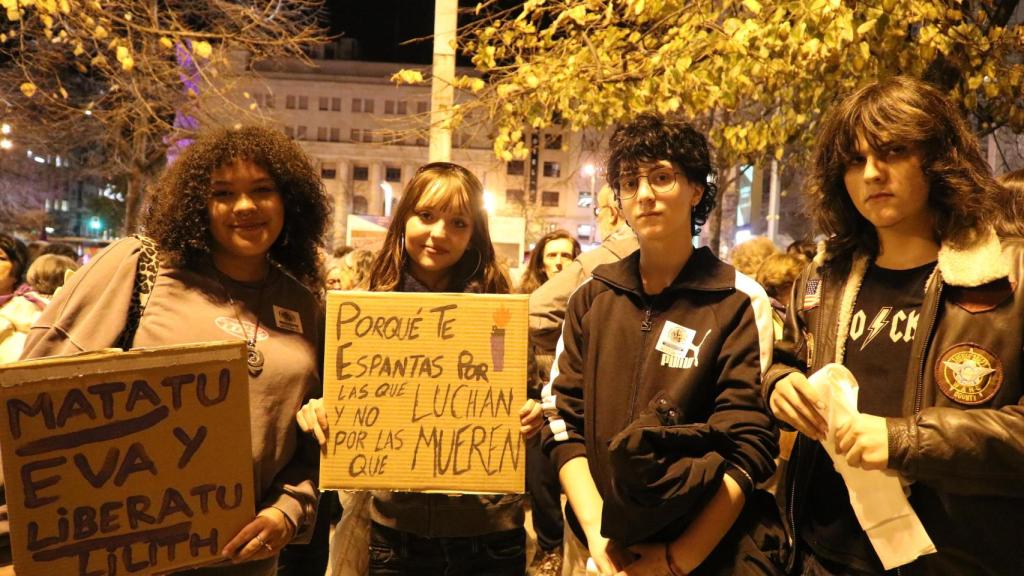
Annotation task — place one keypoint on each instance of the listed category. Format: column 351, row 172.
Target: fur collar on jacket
column 981, row 262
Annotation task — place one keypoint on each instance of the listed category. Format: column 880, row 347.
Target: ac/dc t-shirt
column 882, row 330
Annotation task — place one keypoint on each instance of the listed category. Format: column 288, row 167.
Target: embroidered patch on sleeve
column 968, row 374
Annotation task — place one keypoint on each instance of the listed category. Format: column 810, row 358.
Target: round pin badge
column 968, row 374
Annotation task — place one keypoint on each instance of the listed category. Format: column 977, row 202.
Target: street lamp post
column 591, row 171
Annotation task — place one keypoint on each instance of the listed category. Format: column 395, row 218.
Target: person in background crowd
column 234, row 225
column 921, row 300
column 60, row 249
column 653, row 416
column 439, row 241
column 554, row 251
column 19, row 305
column 349, row 272
column 748, row 256
column 776, row 275
column 13, row 265
column 47, row 274
column 803, row 248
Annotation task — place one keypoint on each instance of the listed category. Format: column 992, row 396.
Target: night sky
column 381, row 26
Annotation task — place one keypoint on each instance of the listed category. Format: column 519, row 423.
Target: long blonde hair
column 446, row 185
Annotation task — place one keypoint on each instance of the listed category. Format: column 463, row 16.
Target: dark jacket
column 445, row 515
column 960, row 439
column 660, row 429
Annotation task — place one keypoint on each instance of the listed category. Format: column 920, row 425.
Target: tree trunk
column 133, row 198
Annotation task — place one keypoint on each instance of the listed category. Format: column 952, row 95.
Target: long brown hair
column 901, row 111
column 535, row 272
column 446, row 185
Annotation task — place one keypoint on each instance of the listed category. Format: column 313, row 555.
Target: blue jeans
column 396, row 553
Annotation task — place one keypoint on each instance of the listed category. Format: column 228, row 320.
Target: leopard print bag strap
column 145, row 277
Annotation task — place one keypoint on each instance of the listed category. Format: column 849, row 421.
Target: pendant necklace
column 255, row 358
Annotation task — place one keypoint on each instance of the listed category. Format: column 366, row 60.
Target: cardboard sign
column 118, row 463
column 423, row 392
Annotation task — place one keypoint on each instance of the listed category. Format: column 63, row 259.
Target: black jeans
column 545, row 496
column 396, row 553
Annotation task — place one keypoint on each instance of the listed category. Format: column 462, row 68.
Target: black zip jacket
column 960, row 439
column 660, row 429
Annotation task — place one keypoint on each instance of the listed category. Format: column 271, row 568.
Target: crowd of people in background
column 669, row 400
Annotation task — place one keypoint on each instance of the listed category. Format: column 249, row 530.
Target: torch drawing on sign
column 501, row 317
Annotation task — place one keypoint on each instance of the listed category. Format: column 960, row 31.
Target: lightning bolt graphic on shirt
column 881, row 319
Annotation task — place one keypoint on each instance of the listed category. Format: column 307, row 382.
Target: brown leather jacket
column 960, row 439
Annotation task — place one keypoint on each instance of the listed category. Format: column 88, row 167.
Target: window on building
column 585, row 199
column 324, row 102
column 303, row 102
column 289, row 102
column 367, row 135
column 335, row 104
column 328, row 171
column 515, row 168
column 355, row 135
column 269, row 100
column 549, row 199
column 361, row 173
column 515, row 196
column 357, row 104
column 552, row 169
column 368, row 106
column 289, row 131
column 403, row 107
column 393, row 174
column 552, row 141
column 389, row 106
column 321, row 134
column 422, row 107
column 300, row 134
column 335, row 134
column 360, row 205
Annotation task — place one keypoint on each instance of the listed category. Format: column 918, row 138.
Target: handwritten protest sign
column 117, row 463
column 423, row 391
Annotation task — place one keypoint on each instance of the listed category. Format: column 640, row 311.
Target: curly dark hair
column 652, row 137
column 177, row 217
column 901, row 111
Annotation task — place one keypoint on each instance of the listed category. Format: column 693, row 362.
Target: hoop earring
column 479, row 261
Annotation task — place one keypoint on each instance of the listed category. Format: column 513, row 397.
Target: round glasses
column 661, row 180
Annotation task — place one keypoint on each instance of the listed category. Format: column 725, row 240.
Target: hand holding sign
column 424, row 392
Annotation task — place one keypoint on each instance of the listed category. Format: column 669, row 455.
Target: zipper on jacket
column 816, row 361
column 645, row 329
column 919, row 393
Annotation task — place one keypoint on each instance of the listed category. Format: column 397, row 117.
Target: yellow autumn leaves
column 758, row 73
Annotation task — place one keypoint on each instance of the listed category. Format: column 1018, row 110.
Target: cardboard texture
column 117, row 463
column 422, row 392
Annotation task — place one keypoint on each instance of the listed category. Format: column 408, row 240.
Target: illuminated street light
column 489, row 201
column 6, row 144
column 5, row 129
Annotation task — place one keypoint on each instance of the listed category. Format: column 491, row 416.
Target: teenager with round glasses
column 654, row 417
